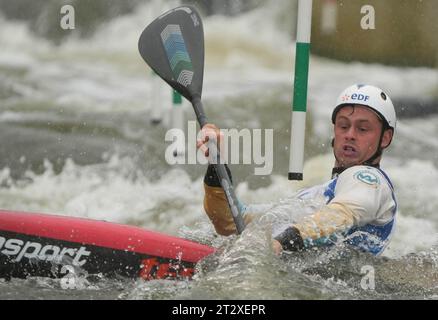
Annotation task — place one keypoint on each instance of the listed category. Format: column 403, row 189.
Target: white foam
column 415, row 189
column 415, row 184
column 108, row 192
column 411, row 235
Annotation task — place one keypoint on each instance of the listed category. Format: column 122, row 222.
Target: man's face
column 357, row 133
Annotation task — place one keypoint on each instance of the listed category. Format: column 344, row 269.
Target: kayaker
column 360, row 205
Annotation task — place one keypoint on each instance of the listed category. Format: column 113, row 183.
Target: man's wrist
column 211, row 178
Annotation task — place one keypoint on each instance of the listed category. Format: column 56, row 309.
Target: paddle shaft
column 222, row 173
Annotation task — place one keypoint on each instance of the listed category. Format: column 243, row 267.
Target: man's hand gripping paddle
column 173, row 46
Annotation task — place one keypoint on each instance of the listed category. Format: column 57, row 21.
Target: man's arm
column 317, row 229
column 215, row 201
column 217, row 209
column 362, row 196
column 216, row 205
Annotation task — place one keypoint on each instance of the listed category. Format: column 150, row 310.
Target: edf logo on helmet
column 356, row 97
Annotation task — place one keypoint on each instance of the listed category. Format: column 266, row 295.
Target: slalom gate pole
column 178, row 119
column 299, row 105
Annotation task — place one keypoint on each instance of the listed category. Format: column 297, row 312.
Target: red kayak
column 34, row 244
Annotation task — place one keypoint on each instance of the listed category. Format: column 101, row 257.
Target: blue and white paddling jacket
column 360, row 206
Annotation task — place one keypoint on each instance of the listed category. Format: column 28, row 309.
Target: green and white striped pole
column 177, row 111
column 299, row 104
column 176, row 98
column 178, row 121
column 155, row 99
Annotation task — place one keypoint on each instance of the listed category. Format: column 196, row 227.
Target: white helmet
column 371, row 97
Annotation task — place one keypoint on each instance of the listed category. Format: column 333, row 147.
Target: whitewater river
column 77, row 139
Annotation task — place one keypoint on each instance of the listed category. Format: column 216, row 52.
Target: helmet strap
column 376, row 154
column 379, row 150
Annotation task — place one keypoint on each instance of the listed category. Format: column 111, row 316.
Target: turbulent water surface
column 77, row 139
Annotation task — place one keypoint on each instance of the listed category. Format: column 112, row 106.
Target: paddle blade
column 173, row 46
